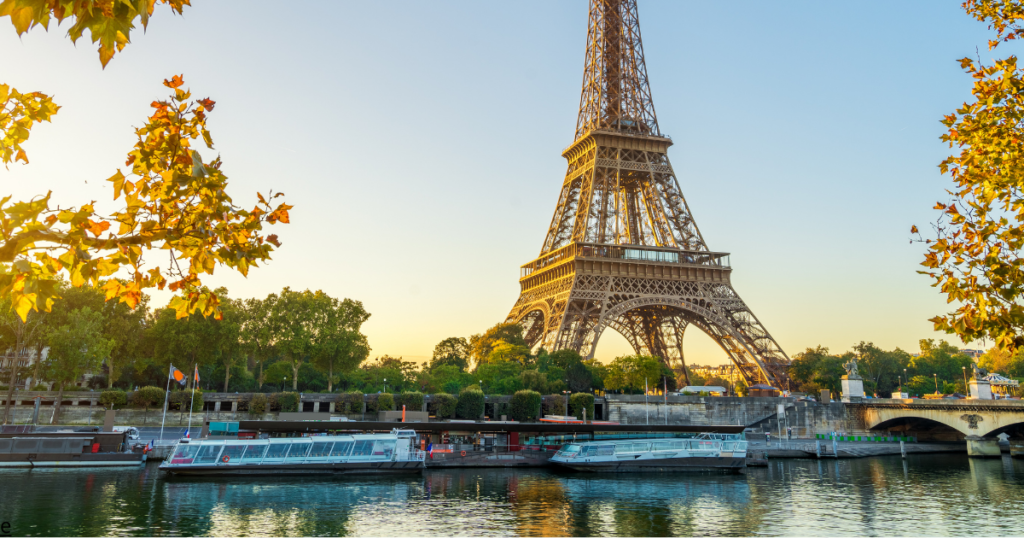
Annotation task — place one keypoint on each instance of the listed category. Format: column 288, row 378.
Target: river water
column 931, row 495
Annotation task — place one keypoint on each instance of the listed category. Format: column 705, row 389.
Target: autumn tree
column 109, row 22
column 974, row 255
column 76, row 347
column 174, row 201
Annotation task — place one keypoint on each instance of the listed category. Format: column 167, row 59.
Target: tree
column 881, row 368
column 75, row 348
column 174, row 201
column 109, row 23
column 578, row 378
column 256, row 333
column 1003, row 361
column 503, row 351
column 942, row 360
column 817, row 369
column 974, row 256
column 481, row 345
column 18, row 111
column 293, row 321
column 452, row 351
column 338, row 345
column 17, row 334
column 633, row 372
column 186, row 341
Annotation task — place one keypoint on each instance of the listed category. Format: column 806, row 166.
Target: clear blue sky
column 419, row 143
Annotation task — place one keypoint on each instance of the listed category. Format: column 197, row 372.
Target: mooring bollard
column 817, row 448
column 903, row 450
column 835, row 448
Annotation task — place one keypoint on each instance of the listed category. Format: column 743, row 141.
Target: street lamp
column 385, row 385
column 283, row 382
column 966, row 388
column 901, row 385
column 566, row 392
column 936, row 376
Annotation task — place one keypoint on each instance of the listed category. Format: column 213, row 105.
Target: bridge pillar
column 1017, row 448
column 978, row 447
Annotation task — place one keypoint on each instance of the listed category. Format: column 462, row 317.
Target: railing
column 628, row 253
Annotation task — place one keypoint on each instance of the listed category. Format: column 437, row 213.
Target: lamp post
column 966, row 388
column 283, row 383
column 905, row 376
column 566, row 392
column 936, row 377
column 901, row 385
column 385, row 385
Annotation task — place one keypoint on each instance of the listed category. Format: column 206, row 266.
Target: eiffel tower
column 623, row 251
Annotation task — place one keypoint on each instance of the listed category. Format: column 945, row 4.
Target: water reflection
column 933, row 495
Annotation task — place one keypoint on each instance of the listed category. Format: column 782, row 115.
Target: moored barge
column 705, row 452
column 321, row 454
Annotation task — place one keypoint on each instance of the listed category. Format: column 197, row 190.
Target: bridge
column 978, row 422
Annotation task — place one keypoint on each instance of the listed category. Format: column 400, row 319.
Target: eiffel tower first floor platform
column 650, row 296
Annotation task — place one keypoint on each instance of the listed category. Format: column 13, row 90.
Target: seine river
column 926, row 495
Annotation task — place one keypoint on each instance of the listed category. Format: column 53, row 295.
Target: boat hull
column 659, row 465
column 70, row 460
column 298, row 469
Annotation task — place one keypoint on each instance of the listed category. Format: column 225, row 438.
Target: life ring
column 463, row 453
column 226, row 458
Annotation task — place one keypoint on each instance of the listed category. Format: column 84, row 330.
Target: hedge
column 147, row 397
column 554, row 404
column 349, row 402
column 258, row 404
column 113, row 398
column 183, row 399
column 524, row 405
column 413, row 401
column 471, row 403
column 288, row 401
column 443, row 405
column 386, row 402
column 580, row 401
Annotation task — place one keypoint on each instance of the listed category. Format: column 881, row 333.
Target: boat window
column 341, row 449
column 742, row 445
column 299, row 450
column 640, row 447
column 185, row 454
column 602, row 450
column 254, row 452
column 320, row 450
column 622, row 448
column 208, row 453
column 233, row 452
column 277, row 450
column 53, row 444
column 362, row 448
column 25, row 444
column 570, row 449
column 384, row 448
column 661, row 445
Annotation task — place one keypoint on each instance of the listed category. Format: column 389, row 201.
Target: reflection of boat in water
column 324, row 454
column 705, row 452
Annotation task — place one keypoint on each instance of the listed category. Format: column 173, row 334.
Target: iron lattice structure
column 623, row 251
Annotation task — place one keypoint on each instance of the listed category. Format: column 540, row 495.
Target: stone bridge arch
column 978, row 422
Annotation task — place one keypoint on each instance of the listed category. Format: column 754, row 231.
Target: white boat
column 349, row 454
column 704, row 452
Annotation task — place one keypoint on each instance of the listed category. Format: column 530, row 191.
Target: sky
column 419, row 143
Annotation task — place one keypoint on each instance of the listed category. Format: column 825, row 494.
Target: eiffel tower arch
column 622, row 251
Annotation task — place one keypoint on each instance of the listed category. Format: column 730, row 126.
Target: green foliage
column 564, row 358
column 534, row 380
column 920, row 385
column 443, row 405
column 111, row 399
column 578, row 378
column 288, row 401
column 524, row 405
column 554, row 404
column 448, row 378
column 500, row 377
column 349, row 402
column 413, row 401
column 258, row 404
column 77, row 347
column 507, row 352
column 481, row 345
column 338, row 347
column 817, row 369
column 630, row 373
column 385, row 402
column 182, row 400
column 471, row 403
column 39, row 387
column 581, row 401
column 452, row 351
column 147, row 397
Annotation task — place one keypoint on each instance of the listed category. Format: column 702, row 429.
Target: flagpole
column 194, row 372
column 167, row 396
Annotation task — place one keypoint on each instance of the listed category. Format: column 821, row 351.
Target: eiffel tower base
column 651, row 313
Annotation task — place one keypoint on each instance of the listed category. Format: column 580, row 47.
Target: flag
column 197, row 374
column 186, row 433
column 176, row 375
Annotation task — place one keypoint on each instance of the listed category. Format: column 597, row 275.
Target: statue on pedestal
column 978, row 372
column 851, row 369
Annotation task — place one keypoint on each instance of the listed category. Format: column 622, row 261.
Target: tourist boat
column 323, row 454
column 704, row 452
